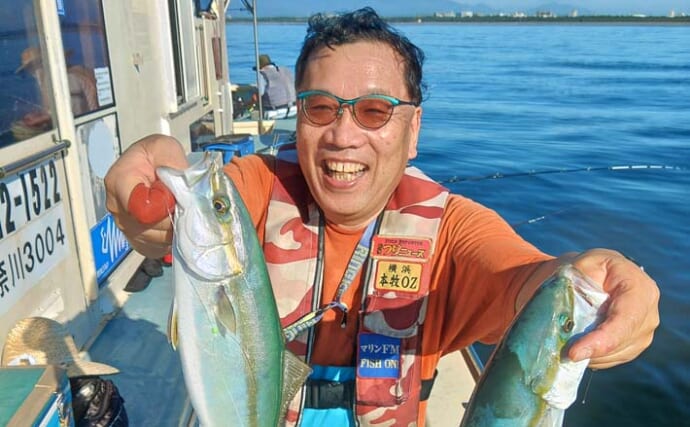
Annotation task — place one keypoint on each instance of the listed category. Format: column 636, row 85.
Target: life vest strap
column 325, row 394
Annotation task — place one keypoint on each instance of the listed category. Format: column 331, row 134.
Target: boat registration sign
column 33, row 230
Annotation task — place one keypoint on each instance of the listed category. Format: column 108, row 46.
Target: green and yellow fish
column 225, row 322
column 528, row 380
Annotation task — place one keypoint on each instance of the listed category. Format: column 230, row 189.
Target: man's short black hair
column 361, row 25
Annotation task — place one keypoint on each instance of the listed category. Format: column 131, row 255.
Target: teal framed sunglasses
column 322, row 108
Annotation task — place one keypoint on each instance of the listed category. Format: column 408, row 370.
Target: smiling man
column 352, row 166
column 377, row 270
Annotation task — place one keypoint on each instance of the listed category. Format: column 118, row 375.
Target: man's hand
column 632, row 313
column 141, row 205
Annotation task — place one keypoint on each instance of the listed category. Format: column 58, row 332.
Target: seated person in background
column 82, row 86
column 277, row 90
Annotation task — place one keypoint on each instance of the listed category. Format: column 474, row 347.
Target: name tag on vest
column 400, row 263
column 378, row 356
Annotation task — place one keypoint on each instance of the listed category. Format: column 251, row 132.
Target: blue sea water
column 576, row 101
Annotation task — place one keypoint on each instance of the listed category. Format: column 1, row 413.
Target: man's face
column 352, row 171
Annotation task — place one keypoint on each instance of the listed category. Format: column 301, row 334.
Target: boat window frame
column 46, row 35
column 45, row 139
column 185, row 55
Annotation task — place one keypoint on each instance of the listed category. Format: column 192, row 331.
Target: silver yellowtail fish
column 528, row 380
column 225, row 321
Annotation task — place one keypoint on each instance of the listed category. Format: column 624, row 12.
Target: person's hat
column 264, row 60
column 43, row 341
column 30, row 56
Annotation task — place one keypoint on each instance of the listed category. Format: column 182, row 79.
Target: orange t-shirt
column 479, row 266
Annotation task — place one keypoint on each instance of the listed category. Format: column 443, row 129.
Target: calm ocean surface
column 511, row 99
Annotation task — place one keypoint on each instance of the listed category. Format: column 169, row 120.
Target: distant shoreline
column 531, row 20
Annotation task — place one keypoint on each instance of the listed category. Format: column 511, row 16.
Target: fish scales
column 224, row 319
column 528, row 380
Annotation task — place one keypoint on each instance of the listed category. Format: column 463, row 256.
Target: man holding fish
column 377, row 271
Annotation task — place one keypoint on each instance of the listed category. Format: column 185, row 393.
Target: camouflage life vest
column 388, row 381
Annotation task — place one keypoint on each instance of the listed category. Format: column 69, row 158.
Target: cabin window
column 202, row 6
column 27, row 106
column 184, row 52
column 86, row 54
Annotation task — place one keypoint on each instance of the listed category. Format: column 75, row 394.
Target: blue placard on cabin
column 109, row 246
column 60, row 7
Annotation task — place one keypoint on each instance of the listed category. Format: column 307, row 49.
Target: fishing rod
column 536, row 219
column 532, row 172
column 25, row 101
column 542, row 217
column 248, row 6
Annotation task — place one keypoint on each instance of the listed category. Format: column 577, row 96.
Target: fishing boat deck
column 452, row 389
column 135, row 341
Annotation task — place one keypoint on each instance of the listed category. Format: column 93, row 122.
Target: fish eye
column 220, row 205
column 567, row 323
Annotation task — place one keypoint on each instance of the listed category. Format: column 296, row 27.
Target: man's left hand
column 632, row 314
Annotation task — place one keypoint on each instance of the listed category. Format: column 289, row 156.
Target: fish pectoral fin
column 172, row 325
column 224, row 311
column 295, row 373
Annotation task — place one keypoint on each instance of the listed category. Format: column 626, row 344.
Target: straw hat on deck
column 30, row 56
column 43, row 341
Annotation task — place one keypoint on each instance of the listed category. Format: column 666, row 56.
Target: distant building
column 545, row 14
column 519, row 15
column 573, row 13
column 672, row 14
column 466, row 14
column 445, row 14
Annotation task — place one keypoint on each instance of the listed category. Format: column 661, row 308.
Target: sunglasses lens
column 373, row 112
column 370, row 112
column 320, row 109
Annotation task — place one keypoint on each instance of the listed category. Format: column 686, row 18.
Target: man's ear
column 415, row 125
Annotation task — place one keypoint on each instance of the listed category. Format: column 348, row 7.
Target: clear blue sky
column 657, row 7
column 388, row 7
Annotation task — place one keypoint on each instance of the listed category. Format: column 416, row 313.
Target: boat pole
column 258, row 71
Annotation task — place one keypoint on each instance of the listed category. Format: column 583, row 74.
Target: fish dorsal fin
column 224, row 311
column 172, row 324
column 295, row 373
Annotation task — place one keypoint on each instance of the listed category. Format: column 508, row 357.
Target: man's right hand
column 140, row 204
